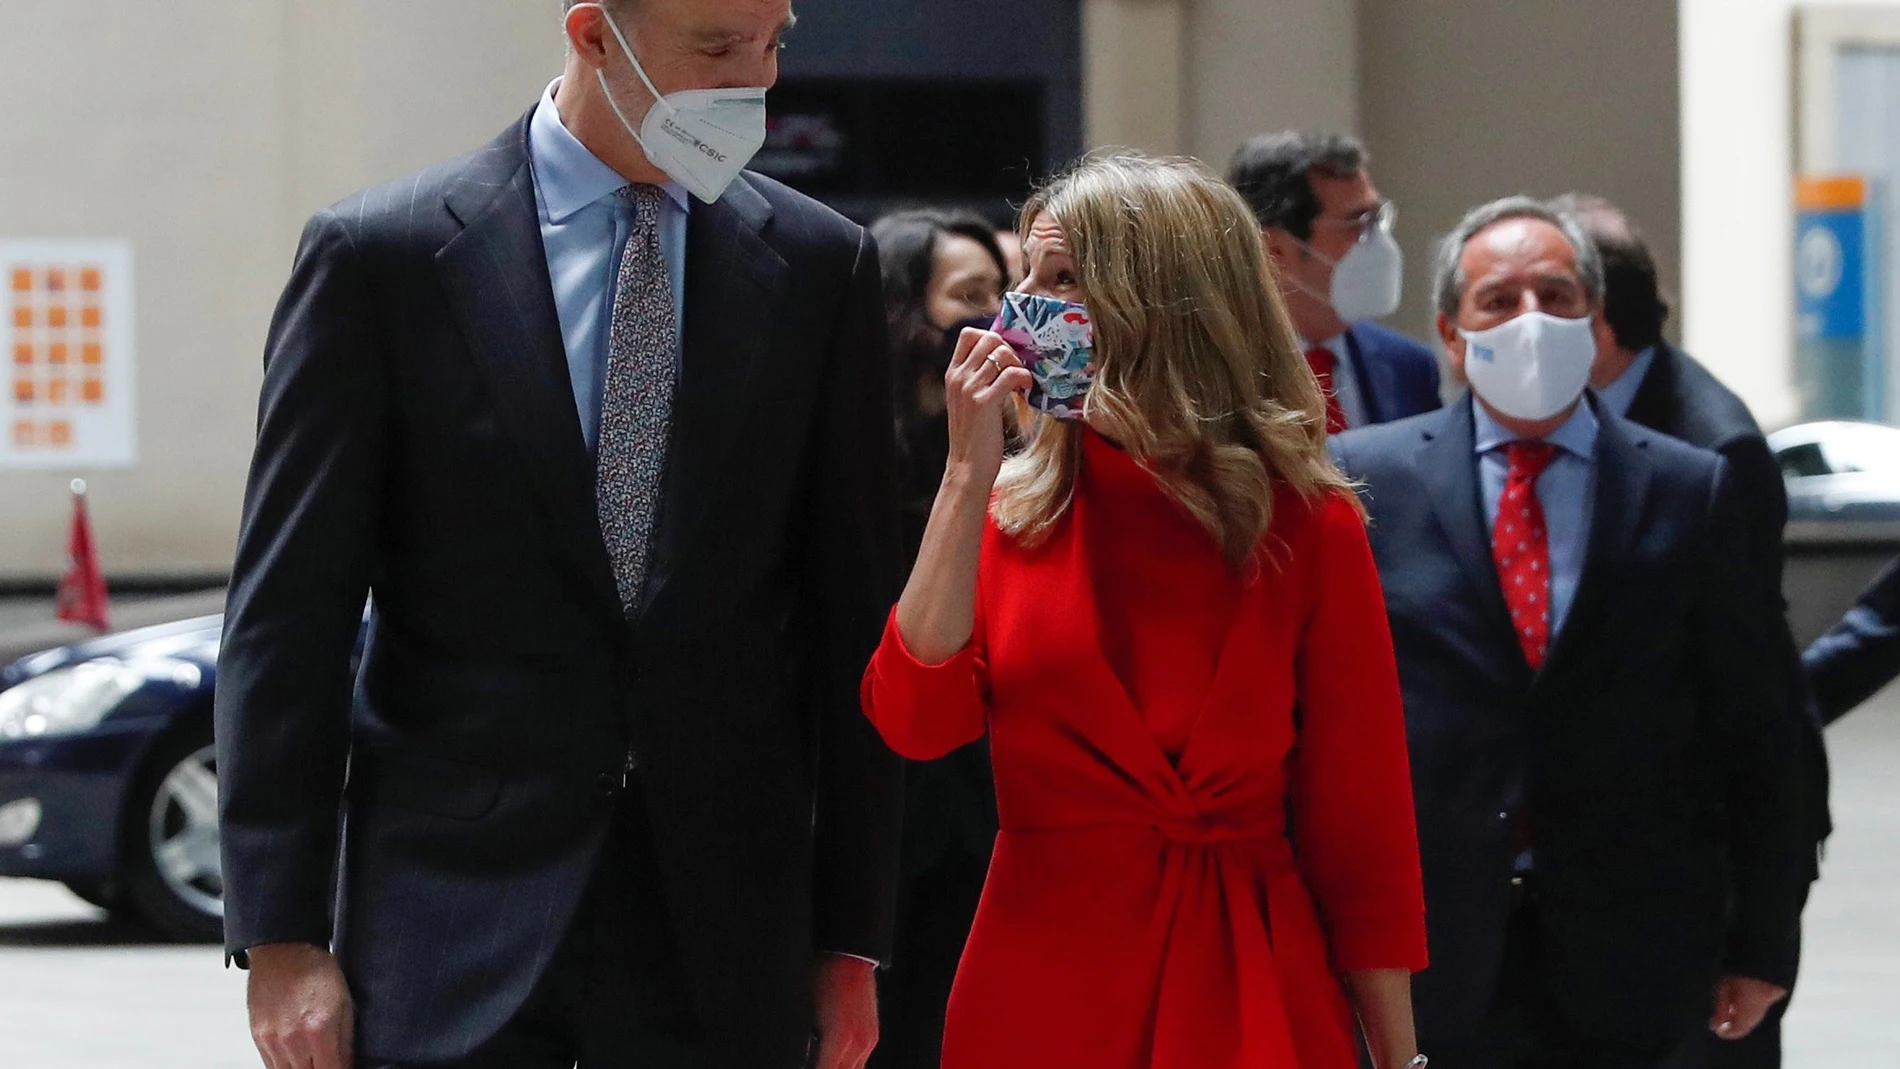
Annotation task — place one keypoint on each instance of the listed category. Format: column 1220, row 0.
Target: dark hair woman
column 942, row 271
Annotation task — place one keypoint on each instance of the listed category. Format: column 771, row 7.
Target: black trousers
column 1524, row 1029
column 614, row 996
column 935, row 910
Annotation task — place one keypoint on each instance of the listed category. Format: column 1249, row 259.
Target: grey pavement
column 78, row 991
column 1846, row 1014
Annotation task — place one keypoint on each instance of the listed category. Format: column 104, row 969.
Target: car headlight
column 65, row 701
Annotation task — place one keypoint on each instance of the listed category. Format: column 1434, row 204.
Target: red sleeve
column 1351, row 784
column 925, row 711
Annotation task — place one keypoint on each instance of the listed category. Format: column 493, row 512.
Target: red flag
column 82, row 594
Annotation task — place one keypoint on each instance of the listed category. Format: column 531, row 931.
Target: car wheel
column 173, row 875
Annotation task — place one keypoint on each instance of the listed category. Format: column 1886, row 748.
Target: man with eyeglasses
column 1330, row 235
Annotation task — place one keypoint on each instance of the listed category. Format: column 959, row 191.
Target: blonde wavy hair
column 1199, row 376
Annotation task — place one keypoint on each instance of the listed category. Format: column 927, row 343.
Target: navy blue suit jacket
column 1680, row 398
column 1397, row 376
column 418, row 439
column 1650, row 754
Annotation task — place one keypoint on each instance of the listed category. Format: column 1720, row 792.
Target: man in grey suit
column 602, row 427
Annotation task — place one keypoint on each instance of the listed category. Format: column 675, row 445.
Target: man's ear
column 1279, row 244
column 586, row 27
column 1605, row 337
column 1611, row 361
column 1454, row 343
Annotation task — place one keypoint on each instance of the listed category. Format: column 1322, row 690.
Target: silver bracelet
column 1418, row 1062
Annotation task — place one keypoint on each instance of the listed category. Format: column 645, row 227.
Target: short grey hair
column 1448, row 275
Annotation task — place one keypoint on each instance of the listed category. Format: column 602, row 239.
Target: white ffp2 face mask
column 1531, row 367
column 1367, row 281
column 702, row 138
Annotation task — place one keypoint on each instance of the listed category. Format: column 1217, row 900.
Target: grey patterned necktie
column 636, row 411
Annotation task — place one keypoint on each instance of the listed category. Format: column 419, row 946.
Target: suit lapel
column 1622, row 495
column 495, row 272
column 1448, row 465
column 734, row 283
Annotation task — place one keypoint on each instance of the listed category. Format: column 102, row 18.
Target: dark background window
column 883, row 104
column 863, row 145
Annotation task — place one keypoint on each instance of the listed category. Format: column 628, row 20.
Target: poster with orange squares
column 66, row 334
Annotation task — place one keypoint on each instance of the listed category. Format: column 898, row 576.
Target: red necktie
column 1520, row 545
column 1322, row 361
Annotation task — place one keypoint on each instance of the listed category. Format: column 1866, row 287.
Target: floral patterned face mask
column 1054, row 340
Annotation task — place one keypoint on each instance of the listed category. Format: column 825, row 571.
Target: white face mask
column 1368, row 280
column 1531, row 367
column 702, row 138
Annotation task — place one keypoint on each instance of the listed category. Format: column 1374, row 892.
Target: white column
column 1133, row 74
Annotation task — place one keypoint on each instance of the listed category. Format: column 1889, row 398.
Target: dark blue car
column 108, row 777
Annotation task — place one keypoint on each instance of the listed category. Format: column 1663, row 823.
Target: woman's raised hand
column 937, row 613
column 984, row 373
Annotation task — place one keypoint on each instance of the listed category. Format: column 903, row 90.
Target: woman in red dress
column 1167, row 617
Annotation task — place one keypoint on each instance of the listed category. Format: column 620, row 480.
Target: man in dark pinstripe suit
column 600, row 792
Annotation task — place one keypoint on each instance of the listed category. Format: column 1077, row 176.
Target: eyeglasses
column 1381, row 216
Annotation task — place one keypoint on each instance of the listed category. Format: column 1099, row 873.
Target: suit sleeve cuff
column 1775, row 966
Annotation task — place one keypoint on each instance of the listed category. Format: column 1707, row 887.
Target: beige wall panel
column 1260, row 65
column 1469, row 101
column 443, row 77
column 1133, row 84
column 207, row 131
column 161, row 123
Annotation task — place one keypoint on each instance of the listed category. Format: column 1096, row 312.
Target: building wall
column 1462, row 103
column 161, row 123
column 1202, row 76
column 206, row 131
column 1246, row 74
column 1738, row 132
column 1459, row 102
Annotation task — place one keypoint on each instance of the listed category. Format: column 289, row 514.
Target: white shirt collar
column 567, row 175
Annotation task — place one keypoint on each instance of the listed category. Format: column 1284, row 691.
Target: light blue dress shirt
column 1618, row 396
column 1566, row 490
column 584, row 229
